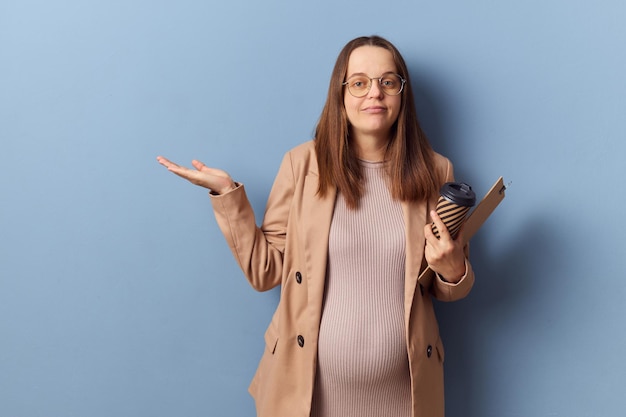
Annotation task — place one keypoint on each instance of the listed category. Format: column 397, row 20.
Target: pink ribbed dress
column 363, row 366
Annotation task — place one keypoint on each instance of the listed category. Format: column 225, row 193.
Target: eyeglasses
column 359, row 85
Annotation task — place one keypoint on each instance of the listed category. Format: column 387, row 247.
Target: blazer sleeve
column 447, row 291
column 258, row 250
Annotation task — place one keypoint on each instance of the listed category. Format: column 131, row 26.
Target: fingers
column 198, row 165
column 214, row 179
column 444, row 255
column 444, row 244
column 184, row 172
column 208, row 170
column 169, row 164
column 177, row 169
column 444, row 234
column 166, row 162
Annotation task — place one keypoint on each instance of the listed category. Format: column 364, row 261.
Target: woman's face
column 373, row 114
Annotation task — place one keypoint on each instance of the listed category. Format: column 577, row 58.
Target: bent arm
column 257, row 250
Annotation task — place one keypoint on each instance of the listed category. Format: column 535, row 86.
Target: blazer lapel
column 414, row 221
column 317, row 215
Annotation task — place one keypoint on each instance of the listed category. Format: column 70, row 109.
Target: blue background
column 118, row 295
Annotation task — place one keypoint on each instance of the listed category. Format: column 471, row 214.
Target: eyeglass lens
column 390, row 84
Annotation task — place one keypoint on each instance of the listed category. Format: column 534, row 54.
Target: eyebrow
column 364, row 74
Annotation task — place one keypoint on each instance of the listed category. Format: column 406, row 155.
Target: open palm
column 214, row 179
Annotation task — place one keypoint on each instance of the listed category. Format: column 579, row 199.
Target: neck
column 370, row 148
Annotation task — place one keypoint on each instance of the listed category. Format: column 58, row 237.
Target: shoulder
column 441, row 161
column 305, row 150
column 443, row 167
column 302, row 157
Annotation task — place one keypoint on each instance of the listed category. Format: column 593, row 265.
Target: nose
column 375, row 90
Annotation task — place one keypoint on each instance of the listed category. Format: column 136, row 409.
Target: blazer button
column 298, row 277
column 300, row 341
column 429, row 351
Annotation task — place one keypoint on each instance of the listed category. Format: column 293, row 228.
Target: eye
column 389, row 82
column 358, row 83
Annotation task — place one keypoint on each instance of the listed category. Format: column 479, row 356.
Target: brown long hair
column 411, row 160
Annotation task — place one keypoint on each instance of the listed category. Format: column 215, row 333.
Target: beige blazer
column 290, row 249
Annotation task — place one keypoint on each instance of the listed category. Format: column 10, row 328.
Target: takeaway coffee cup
column 456, row 199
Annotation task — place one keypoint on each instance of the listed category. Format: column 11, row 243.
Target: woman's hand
column 216, row 180
column 445, row 255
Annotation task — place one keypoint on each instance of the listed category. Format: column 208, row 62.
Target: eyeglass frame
column 380, row 80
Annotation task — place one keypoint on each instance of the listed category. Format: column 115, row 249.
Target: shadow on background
column 431, row 110
column 505, row 285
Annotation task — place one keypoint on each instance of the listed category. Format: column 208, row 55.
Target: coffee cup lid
column 458, row 193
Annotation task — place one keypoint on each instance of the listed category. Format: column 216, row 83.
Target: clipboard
column 474, row 221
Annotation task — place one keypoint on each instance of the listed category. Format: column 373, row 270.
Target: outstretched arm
column 259, row 252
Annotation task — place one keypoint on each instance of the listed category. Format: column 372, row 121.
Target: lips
column 374, row 109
